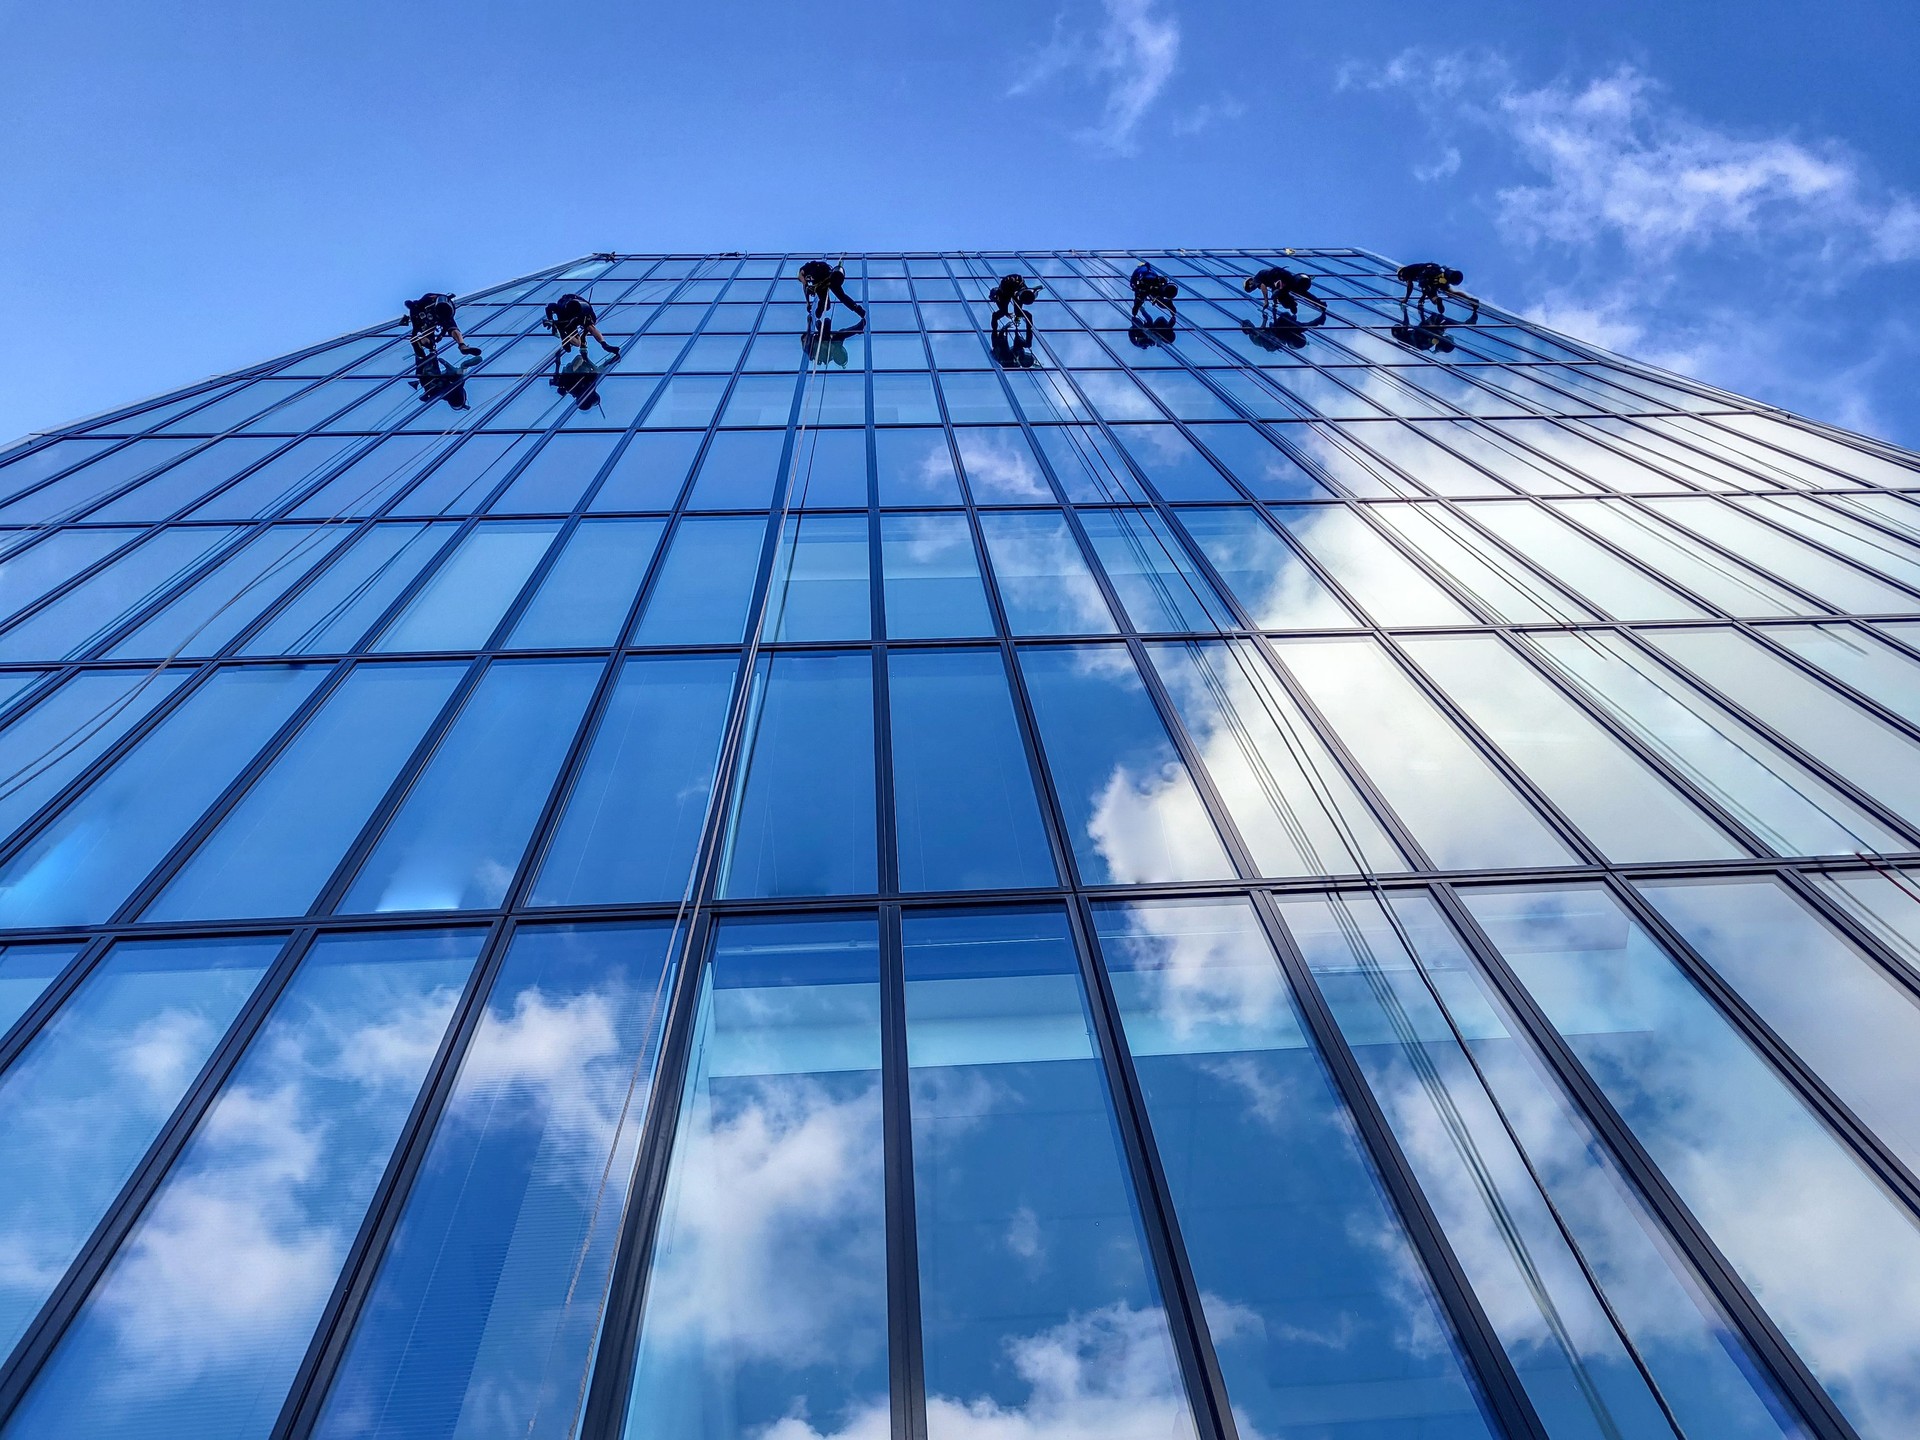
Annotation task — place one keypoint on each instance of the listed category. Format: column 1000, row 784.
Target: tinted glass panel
column 933, row 588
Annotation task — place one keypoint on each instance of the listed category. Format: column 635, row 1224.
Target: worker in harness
column 431, row 317
column 1436, row 283
column 1283, row 289
column 1152, row 287
column 822, row 282
column 573, row 320
column 1010, row 298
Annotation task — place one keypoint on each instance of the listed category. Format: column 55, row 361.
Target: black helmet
column 1454, row 277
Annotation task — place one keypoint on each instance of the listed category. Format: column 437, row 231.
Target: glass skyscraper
column 1327, row 881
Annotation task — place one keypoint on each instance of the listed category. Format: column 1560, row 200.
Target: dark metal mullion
column 1180, row 1291
column 1834, row 1113
column 620, row 1332
column 1716, row 1272
column 300, row 1410
column 37, row 1344
column 1499, row 1383
column 17, row 1036
column 906, row 1364
column 1059, row 843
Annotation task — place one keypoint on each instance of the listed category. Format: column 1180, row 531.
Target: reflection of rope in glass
column 444, row 441
column 744, row 714
column 1431, row 1081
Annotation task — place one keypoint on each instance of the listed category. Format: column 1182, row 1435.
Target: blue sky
column 1732, row 190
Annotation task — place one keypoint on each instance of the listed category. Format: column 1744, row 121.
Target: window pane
column 79, row 869
column 277, row 847
column 739, row 471
column 819, row 588
column 29, row 573
column 556, row 477
column 1158, row 582
column 963, row 796
column 1854, row 656
column 25, row 972
column 225, row 600
column 457, row 841
column 271, row 1188
column 1830, row 1254
column 1260, row 465
column 585, row 597
column 1773, row 795
column 649, row 473
column 1272, row 583
column 1045, row 585
column 73, row 623
column 1001, row 468
column 760, row 400
column 1567, row 555
column 1037, row 1305
column 915, row 467
column 1620, row 805
column 332, row 613
column 462, row 602
column 1715, row 578
column 701, row 594
column 1505, row 588
column 829, row 470
column 1552, row 1238
column 686, row 402
column 1178, row 470
column 524, row 1181
column 1885, row 903
column 904, row 399
column 933, row 587
column 1383, row 580
column 1859, row 746
column 1089, row 466
column 1132, row 812
column 1852, row 1024
column 69, row 729
column 1785, row 555
column 768, row 1300
column 1457, row 806
column 634, row 817
column 803, row 806
column 81, row 1104
column 1256, row 743
column 1317, row 1303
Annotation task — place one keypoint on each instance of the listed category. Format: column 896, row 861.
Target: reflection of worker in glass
column 435, row 379
column 1013, row 348
column 1151, row 287
column 1011, row 297
column 431, row 317
column 1154, row 330
column 823, row 283
column 825, row 345
column 1282, row 332
column 573, row 320
column 1429, row 335
column 578, row 379
column 1283, row 289
column 1435, row 283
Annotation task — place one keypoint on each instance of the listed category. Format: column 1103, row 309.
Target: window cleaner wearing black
column 1283, row 289
column 1435, row 283
column 1151, row 287
column 1010, row 298
column 573, row 320
column 432, row 319
column 822, row 282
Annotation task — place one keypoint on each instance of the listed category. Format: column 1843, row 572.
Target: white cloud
column 1651, row 230
column 1132, row 53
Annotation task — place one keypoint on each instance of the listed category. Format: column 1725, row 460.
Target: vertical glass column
column 766, row 1308
column 1039, row 1312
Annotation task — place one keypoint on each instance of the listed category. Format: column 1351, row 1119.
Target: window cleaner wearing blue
column 823, row 283
column 1151, row 287
column 573, row 319
column 1283, row 289
column 1435, row 283
column 431, row 317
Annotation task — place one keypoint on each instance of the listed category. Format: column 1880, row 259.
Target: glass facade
column 1321, row 881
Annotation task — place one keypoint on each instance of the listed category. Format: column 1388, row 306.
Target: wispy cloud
column 1130, row 54
column 1649, row 229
